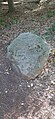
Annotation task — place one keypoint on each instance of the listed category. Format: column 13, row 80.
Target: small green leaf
column 53, row 60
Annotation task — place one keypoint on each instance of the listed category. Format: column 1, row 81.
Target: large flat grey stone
column 28, row 53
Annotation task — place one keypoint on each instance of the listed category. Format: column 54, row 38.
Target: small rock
column 6, row 69
column 46, row 70
column 31, row 84
column 52, row 82
column 28, row 86
column 6, row 73
column 27, row 82
column 20, row 85
column 10, row 68
column 22, row 103
column 6, row 91
column 21, row 117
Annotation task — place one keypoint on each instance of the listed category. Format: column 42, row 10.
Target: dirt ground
column 21, row 98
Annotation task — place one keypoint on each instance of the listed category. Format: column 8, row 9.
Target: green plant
column 53, row 60
column 43, row 17
column 51, row 13
column 51, row 29
column 1, row 22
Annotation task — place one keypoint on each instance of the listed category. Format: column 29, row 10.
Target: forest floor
column 21, row 98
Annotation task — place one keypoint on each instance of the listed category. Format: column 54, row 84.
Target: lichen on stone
column 28, row 52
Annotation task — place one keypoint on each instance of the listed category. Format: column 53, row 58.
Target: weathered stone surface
column 28, row 53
